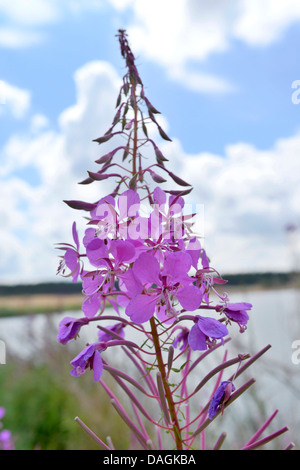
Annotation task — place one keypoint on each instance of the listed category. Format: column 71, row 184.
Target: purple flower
column 91, row 305
column 97, row 252
column 167, row 218
column 220, row 397
column 111, row 260
column 113, row 221
column 69, row 328
column 181, row 339
column 89, row 357
column 105, row 216
column 204, row 331
column 6, row 442
column 161, row 289
column 71, row 258
column 237, row 312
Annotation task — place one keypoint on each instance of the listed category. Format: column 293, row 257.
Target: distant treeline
column 247, row 279
column 41, row 288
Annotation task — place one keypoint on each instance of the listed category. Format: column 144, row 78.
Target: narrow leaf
column 92, row 434
column 101, row 176
column 150, row 106
column 132, row 182
column 102, row 139
column 179, row 193
column 157, row 178
column 86, row 206
column 163, row 134
column 86, row 181
column 106, row 137
column 163, row 401
column 178, row 180
column 130, row 423
column 220, row 441
column 144, row 129
column 108, row 156
column 267, row 439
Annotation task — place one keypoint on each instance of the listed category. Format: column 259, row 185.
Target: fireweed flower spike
column 141, row 256
column 162, row 288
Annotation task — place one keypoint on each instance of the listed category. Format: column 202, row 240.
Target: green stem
column 168, row 393
column 135, row 129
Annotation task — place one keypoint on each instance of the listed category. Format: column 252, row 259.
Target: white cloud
column 262, row 22
column 170, row 34
column 179, row 33
column 34, row 217
column 29, row 12
column 23, row 20
column 38, row 122
column 14, row 100
column 15, row 38
column 249, row 195
column 201, row 82
column 41, row 12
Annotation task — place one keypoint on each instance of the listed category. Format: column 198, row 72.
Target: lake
column 275, row 320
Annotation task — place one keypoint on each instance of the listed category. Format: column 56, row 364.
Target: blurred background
column 225, row 76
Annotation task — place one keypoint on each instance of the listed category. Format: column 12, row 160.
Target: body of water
column 275, row 320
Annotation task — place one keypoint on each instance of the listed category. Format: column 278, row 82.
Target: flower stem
column 167, row 390
column 135, row 128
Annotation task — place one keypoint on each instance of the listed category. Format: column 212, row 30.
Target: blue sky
column 221, row 74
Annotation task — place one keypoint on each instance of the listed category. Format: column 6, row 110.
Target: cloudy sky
column 225, row 75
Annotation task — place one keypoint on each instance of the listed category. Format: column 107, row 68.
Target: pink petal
column 96, row 250
column 205, row 262
column 138, row 229
column 176, row 204
column 177, row 265
column 159, row 197
column 105, row 209
column 122, row 251
column 190, row 297
column 89, row 235
column 90, row 284
column 146, row 268
column 194, row 250
column 97, row 366
column 75, row 235
column 122, row 300
column 129, row 282
column 239, row 306
column 141, row 308
column 197, row 340
column 71, row 259
column 90, row 306
column 129, row 204
column 161, row 315
column 212, row 328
